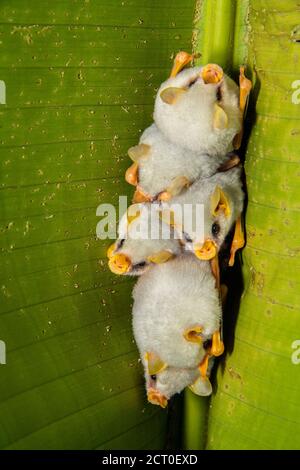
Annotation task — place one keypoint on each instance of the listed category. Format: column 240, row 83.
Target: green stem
column 216, row 32
column 195, row 417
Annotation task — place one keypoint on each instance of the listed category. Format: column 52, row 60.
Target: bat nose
column 207, row 251
column 212, row 73
column 157, row 398
column 119, row 263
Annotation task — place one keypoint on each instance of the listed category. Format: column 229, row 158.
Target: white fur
column 189, row 121
column 165, row 161
column 168, row 299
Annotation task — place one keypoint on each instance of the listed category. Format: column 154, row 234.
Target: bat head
column 144, row 239
column 199, row 109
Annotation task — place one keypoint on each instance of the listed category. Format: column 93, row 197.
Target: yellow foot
column 140, row 196
column 175, row 188
column 180, row 61
column 238, row 240
column 245, row 88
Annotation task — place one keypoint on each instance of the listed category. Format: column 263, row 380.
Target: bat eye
column 186, row 237
column 207, row 344
column 140, row 265
column 192, row 82
column 153, row 377
column 215, row 229
column 121, row 242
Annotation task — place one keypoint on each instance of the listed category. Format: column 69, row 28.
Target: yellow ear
column 220, row 120
column 201, row 387
column 167, row 216
column 160, row 257
column 218, row 202
column 193, row 334
column 154, row 363
column 138, row 151
column 170, row 95
column 133, row 212
column 110, row 250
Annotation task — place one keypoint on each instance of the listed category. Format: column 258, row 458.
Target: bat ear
column 218, row 202
column 138, row 151
column 171, row 94
column 160, row 257
column 220, row 119
column 110, row 250
column 133, row 212
column 167, row 216
column 201, row 387
column 171, row 216
column 154, row 363
column 193, row 334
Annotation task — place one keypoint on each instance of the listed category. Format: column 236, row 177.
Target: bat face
column 143, row 240
column 162, row 386
column 221, row 197
column 201, row 115
column 216, row 227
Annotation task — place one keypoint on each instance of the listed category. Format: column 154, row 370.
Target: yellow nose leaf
column 207, row 251
column 220, row 119
column 156, row 398
column 119, row 263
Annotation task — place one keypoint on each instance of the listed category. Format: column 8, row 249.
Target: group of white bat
column 185, row 158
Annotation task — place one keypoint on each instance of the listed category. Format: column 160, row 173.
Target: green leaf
column 80, row 80
column 256, row 404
